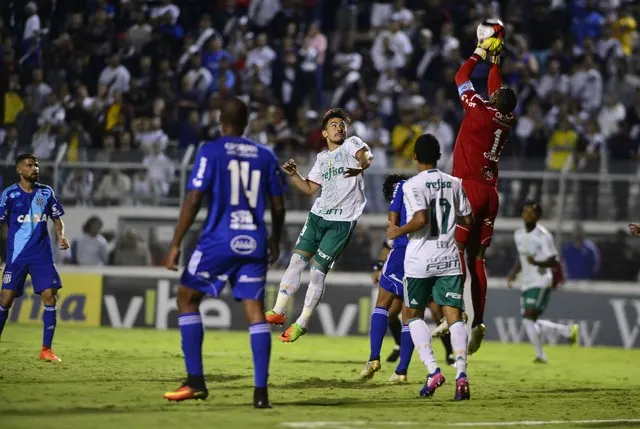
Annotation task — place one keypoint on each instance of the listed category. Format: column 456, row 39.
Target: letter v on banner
column 628, row 332
column 130, row 315
column 347, row 318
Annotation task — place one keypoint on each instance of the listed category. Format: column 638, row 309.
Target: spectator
column 580, row 256
column 619, row 259
column 131, row 250
column 91, row 249
column 115, row 76
column 114, row 189
column 78, row 188
column 160, row 170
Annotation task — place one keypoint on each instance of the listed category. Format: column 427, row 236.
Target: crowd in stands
column 136, row 82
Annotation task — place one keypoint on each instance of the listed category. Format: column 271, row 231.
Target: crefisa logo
column 243, row 245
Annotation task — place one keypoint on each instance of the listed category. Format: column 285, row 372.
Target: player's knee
column 385, row 298
column 316, row 277
column 188, row 300
column 530, row 314
column 49, row 297
column 298, row 262
column 7, row 300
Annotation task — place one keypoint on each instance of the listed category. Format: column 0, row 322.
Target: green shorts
column 444, row 290
column 325, row 239
column 535, row 298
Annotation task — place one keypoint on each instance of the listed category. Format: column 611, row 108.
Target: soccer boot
column 477, row 334
column 434, row 381
column 441, row 329
column 292, row 333
column 394, row 355
column 370, row 368
column 574, row 335
column 261, row 398
column 398, row 378
column 462, row 388
column 48, row 355
column 539, row 359
column 274, row 318
column 186, row 392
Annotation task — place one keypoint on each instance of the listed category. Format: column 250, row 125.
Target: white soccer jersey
column 341, row 198
column 432, row 251
column 539, row 244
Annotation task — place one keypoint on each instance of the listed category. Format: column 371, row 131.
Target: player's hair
column 87, row 225
column 532, row 203
column 335, row 113
column 389, row 185
column 506, row 101
column 235, row 113
column 427, row 149
column 25, row 156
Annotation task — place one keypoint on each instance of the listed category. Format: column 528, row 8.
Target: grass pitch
column 115, row 379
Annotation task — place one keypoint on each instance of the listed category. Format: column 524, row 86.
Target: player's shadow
column 319, row 361
column 318, row 383
column 210, row 378
column 580, row 390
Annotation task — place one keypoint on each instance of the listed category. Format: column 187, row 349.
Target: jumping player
column 238, row 177
column 483, row 133
column 537, row 257
column 329, row 226
column 434, row 203
column 26, row 207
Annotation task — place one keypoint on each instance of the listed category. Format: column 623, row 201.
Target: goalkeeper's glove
column 491, row 47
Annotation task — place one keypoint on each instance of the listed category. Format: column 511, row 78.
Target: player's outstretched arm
column 417, row 222
column 365, row 159
column 305, row 186
column 59, row 226
column 517, row 267
column 188, row 211
column 277, row 225
column 550, row 262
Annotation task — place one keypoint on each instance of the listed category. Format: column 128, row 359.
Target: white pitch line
column 361, row 423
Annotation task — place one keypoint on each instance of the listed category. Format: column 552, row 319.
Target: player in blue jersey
column 25, row 207
column 238, row 177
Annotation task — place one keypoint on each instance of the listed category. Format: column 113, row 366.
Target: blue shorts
column 43, row 277
column 393, row 272
column 209, row 274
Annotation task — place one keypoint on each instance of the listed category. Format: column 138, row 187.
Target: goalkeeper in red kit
column 483, row 133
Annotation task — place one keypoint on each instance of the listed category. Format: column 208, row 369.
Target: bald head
column 234, row 116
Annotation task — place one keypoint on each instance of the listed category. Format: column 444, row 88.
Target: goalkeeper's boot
column 186, row 392
column 477, row 334
column 574, row 334
column 292, row 333
column 434, row 381
column 441, row 330
column 261, row 398
column 398, row 378
column 274, row 318
column 462, row 388
column 394, row 355
column 370, row 368
column 48, row 355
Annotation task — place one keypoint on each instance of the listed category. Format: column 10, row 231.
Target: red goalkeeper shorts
column 484, row 204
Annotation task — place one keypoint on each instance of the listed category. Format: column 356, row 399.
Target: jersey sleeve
column 412, row 200
column 463, row 206
column 547, row 248
column 469, row 97
column 354, row 144
column 201, row 174
column 397, row 200
column 276, row 185
column 4, row 207
column 54, row 208
column 315, row 175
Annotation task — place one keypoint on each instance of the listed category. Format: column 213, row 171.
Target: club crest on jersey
column 488, row 173
column 39, row 200
column 6, row 278
column 243, row 245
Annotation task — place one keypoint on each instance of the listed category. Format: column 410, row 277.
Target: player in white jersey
column 537, row 257
column 329, row 226
column 435, row 202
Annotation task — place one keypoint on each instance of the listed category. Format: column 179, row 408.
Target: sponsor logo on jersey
column 243, row 245
column 246, row 279
column 332, row 172
column 324, row 255
column 203, row 274
column 242, row 220
column 453, row 295
column 32, row 219
column 241, row 149
column 438, row 184
column 444, row 265
column 330, row 211
column 39, row 200
column 202, row 168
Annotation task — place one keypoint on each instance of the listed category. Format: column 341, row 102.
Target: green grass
column 116, row 378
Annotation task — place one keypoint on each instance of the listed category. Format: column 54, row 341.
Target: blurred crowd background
column 114, row 95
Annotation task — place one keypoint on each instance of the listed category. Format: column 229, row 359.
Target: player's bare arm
column 377, row 267
column 551, row 262
column 62, row 241
column 277, row 225
column 188, row 212
column 634, row 229
column 365, row 158
column 419, row 221
column 305, row 186
column 514, row 273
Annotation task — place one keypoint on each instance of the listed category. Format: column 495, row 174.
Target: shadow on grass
column 209, row 378
column 319, row 361
column 317, row 383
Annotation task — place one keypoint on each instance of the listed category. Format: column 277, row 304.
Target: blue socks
column 49, row 325
column 192, row 334
column 260, row 335
column 379, row 322
column 4, row 315
column 406, row 350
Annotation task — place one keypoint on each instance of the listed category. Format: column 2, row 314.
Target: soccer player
column 329, row 226
column 26, row 207
column 537, row 257
column 483, row 133
column 434, row 202
column 634, row 229
column 390, row 289
column 237, row 177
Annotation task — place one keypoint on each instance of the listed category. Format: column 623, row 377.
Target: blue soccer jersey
column 396, row 205
column 393, row 269
column 26, row 214
column 238, row 176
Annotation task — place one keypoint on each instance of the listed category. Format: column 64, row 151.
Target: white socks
column 564, row 330
column 313, row 296
column 459, row 341
column 422, row 341
column 533, row 331
column 290, row 282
